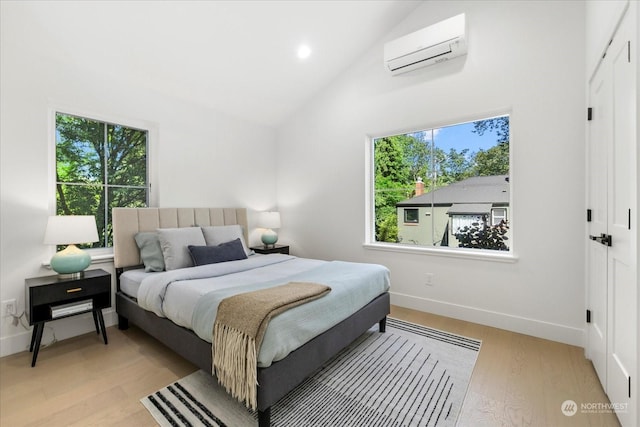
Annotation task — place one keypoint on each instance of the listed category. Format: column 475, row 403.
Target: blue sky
column 461, row 136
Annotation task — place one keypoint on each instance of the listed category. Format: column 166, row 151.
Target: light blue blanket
column 152, row 291
column 353, row 285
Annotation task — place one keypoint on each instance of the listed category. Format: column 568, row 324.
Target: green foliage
column 99, row 166
column 498, row 124
column 392, row 184
column 388, row 229
column 455, row 166
column 494, row 161
column 482, row 236
column 417, row 154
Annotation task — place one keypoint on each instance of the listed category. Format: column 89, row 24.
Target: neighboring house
column 432, row 219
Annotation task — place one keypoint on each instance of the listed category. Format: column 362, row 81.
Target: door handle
column 604, row 239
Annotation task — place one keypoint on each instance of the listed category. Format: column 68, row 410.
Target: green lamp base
column 269, row 237
column 70, row 262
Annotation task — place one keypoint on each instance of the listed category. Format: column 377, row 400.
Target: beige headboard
column 127, row 222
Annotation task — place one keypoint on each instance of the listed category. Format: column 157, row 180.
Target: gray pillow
column 229, row 251
column 150, row 250
column 174, row 242
column 218, row 234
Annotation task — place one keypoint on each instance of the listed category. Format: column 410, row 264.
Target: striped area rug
column 409, row 376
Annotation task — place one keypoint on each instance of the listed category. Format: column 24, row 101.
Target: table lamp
column 70, row 230
column 269, row 220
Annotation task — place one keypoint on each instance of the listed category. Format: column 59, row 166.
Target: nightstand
column 51, row 298
column 276, row 249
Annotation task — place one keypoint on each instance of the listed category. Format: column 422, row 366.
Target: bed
column 278, row 376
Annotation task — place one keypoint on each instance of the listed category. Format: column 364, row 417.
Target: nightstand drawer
column 60, row 292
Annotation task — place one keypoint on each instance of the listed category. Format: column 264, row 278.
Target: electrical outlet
column 9, row 307
column 428, row 279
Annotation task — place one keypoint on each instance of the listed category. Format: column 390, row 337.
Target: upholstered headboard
column 127, row 222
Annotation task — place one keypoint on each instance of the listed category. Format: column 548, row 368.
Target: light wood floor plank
column 518, row 380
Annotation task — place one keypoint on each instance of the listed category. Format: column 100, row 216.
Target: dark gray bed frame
column 279, row 378
column 274, row 381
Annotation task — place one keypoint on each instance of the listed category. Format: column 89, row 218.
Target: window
column 99, row 166
column 454, row 178
column 411, row 216
column 459, row 222
column 498, row 215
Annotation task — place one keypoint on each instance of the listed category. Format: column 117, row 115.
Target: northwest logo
column 569, row 408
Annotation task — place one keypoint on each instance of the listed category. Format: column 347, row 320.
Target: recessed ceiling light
column 304, row 51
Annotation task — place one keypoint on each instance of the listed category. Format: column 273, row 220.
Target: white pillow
column 219, row 234
column 174, row 243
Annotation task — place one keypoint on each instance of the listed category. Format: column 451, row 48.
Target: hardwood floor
column 518, row 380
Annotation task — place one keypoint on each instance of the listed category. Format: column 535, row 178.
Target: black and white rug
column 409, row 376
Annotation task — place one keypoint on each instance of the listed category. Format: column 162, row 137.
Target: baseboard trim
column 522, row 325
column 74, row 326
column 64, row 328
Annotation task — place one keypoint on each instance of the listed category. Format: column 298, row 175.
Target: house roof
column 469, row 208
column 478, row 189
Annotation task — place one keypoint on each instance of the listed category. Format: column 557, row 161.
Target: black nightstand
column 277, row 249
column 52, row 298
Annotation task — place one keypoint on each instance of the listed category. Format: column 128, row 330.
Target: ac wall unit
column 431, row 45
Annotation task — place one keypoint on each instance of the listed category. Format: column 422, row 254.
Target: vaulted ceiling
column 238, row 57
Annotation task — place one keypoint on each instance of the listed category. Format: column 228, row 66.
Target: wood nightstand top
column 275, row 249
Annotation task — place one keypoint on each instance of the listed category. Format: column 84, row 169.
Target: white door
column 611, row 250
column 600, row 130
column 623, row 321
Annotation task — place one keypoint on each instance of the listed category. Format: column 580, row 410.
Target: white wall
column 198, row 157
column 525, row 57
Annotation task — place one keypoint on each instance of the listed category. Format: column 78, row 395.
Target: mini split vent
column 431, row 45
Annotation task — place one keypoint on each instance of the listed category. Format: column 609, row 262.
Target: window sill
column 475, row 254
column 101, row 258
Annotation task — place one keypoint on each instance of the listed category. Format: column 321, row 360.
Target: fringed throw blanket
column 240, row 325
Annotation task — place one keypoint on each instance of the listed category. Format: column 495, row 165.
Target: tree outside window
column 99, row 166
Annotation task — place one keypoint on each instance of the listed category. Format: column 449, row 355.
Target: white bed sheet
column 130, row 281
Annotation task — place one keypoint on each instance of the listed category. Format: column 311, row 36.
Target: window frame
column 370, row 242
column 101, row 254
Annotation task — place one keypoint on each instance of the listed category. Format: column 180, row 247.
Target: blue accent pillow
column 150, row 251
column 228, row 251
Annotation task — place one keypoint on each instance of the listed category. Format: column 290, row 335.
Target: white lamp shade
column 71, row 229
column 269, row 220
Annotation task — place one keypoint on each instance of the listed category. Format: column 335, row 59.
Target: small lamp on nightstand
column 269, row 220
column 70, row 230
